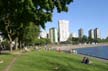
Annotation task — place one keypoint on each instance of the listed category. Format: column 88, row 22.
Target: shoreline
column 70, row 46
column 90, row 45
column 93, row 57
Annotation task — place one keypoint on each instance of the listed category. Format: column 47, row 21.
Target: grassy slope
column 6, row 59
column 49, row 61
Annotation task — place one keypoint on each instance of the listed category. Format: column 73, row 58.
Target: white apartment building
column 63, row 30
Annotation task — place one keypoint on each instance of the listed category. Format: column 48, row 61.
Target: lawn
column 6, row 58
column 55, row 61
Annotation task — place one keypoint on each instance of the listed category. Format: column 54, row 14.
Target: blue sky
column 86, row 14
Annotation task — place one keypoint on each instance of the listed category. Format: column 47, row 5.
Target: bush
column 41, row 41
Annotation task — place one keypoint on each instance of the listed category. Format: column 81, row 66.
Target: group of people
column 85, row 60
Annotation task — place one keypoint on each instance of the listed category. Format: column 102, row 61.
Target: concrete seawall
column 69, row 46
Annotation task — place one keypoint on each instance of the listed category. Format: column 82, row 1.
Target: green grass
column 50, row 60
column 6, row 60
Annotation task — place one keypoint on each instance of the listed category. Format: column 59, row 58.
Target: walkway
column 11, row 63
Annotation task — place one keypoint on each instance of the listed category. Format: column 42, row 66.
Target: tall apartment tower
column 63, row 30
column 53, row 35
column 97, row 33
column 80, row 32
column 91, row 33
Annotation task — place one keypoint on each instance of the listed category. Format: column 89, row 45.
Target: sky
column 86, row 14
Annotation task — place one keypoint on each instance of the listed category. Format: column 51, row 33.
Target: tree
column 42, row 41
column 15, row 15
column 90, row 40
column 75, row 40
column 83, row 39
column 30, row 33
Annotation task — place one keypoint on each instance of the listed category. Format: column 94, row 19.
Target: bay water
column 99, row 52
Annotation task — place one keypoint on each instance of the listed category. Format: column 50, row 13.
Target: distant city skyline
column 86, row 14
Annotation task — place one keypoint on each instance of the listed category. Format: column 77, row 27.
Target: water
column 99, row 52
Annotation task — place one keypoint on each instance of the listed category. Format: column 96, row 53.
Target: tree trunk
column 16, row 43
column 9, row 32
column 10, row 45
column 10, row 42
column 19, row 44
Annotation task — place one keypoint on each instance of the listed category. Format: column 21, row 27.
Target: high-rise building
column 80, row 32
column 91, row 33
column 63, row 30
column 97, row 33
column 53, row 35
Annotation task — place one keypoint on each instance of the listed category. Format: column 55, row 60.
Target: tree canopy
column 37, row 11
column 16, row 15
